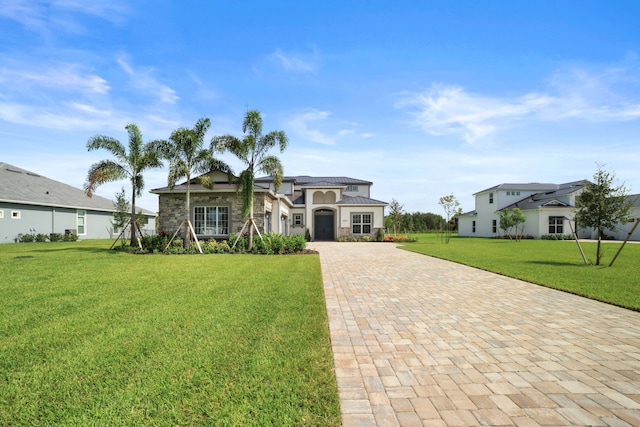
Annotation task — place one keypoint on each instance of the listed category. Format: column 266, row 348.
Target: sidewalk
column 422, row 341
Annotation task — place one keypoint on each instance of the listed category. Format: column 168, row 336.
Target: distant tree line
column 417, row 222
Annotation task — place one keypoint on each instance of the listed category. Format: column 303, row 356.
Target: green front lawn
column 90, row 336
column 556, row 264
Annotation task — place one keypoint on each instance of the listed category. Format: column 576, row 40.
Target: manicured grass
column 556, row 264
column 90, row 336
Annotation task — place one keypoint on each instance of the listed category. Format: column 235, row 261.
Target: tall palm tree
column 252, row 150
column 186, row 155
column 127, row 165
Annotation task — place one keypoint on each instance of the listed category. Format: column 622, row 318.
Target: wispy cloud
column 45, row 16
column 318, row 126
column 296, row 62
column 142, row 79
column 66, row 77
column 573, row 94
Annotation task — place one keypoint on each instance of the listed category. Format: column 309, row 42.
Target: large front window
column 211, row 220
column 556, row 225
column 361, row 223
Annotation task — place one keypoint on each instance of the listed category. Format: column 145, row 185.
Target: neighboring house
column 32, row 204
column 549, row 208
column 329, row 207
column 622, row 231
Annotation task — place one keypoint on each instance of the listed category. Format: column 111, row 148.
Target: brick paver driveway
column 421, row 341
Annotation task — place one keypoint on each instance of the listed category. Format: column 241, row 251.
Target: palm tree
column 252, row 150
column 129, row 166
column 186, row 156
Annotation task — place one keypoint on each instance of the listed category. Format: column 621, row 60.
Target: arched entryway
column 324, row 225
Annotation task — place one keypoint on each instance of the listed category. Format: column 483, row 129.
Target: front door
column 323, row 225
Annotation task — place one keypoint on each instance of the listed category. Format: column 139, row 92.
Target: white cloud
column 45, row 16
column 317, row 126
column 142, row 79
column 69, row 77
column 296, row 62
column 573, row 94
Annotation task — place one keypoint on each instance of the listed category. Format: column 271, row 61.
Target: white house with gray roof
column 32, row 204
column 329, row 207
column 549, row 208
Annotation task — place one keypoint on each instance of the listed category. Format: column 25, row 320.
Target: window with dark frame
column 556, row 225
column 473, row 226
column 490, row 198
column 297, row 220
column 494, row 225
column 361, row 223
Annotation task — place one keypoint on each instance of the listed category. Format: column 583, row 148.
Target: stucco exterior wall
column 345, row 219
column 46, row 220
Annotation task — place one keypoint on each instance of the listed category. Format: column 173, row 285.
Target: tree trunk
column 599, row 248
column 187, row 236
column 134, row 224
column 250, row 246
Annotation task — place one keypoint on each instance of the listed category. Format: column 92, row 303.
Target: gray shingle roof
column 319, row 180
column 558, row 197
column 531, row 186
column 360, row 200
column 24, row 187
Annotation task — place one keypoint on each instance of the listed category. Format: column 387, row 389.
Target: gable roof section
column 532, row 186
column 21, row 186
column 558, row 198
column 322, row 181
column 360, row 200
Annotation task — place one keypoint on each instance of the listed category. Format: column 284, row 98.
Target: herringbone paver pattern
column 419, row 341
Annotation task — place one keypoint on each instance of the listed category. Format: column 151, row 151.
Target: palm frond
column 135, row 140
column 252, row 123
column 204, row 180
column 108, row 143
column 102, row 172
column 272, row 166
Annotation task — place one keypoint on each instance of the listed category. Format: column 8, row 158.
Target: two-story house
column 328, row 207
column 548, row 208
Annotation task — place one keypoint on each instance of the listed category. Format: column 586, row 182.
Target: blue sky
column 424, row 98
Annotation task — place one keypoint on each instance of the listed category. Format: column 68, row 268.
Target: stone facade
column 172, row 209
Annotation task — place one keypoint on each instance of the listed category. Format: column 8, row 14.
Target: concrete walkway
column 420, row 341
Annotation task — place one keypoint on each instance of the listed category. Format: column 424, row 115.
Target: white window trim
column 301, row 224
column 15, row 214
column 85, row 222
column 1, row 214
column 362, row 224
column 217, row 227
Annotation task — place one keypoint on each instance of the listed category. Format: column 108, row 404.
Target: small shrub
column 241, row 244
column 556, row 237
column 380, row 235
column 70, row 237
column 223, row 247
column 55, row 237
column 294, row 244
column 41, row 237
column 307, row 235
column 210, row 246
column 26, row 238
